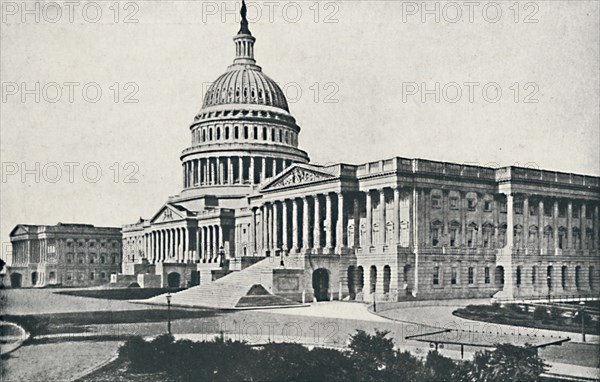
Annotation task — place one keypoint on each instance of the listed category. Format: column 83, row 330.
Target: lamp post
column 169, row 312
column 221, row 256
column 582, row 314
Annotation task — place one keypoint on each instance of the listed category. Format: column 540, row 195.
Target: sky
column 97, row 97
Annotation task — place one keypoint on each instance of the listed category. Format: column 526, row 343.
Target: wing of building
column 389, row 230
column 79, row 255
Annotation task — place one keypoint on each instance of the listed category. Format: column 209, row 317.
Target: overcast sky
column 361, row 67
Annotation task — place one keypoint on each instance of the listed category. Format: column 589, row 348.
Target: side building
column 78, row 255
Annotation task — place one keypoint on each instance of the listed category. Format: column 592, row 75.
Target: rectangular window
column 562, row 211
column 503, row 207
column 436, row 275
column 69, row 243
column 436, row 202
column 518, row 208
column 548, row 209
column 92, row 276
column 486, row 272
column 453, row 237
column 532, row 210
column 471, row 204
column 434, row 236
column 588, row 213
column 487, row 206
column 470, row 275
column 454, row 203
column 575, row 212
column 69, row 276
column 453, row 278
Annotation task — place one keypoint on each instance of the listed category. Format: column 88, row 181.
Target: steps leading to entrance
column 226, row 292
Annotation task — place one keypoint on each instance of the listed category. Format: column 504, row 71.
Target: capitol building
column 254, row 212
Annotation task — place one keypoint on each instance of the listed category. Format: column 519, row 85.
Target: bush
column 541, row 314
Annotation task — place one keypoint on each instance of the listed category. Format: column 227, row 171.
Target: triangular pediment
column 298, row 175
column 168, row 213
column 19, row 230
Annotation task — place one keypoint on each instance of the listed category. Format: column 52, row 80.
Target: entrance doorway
column 173, row 280
column 16, row 280
column 320, row 283
column 34, row 278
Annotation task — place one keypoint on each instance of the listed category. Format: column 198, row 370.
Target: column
column 295, row 228
column 263, row 226
column 596, row 222
column 509, row 222
column 369, row 224
column 284, row 225
column 253, row 232
column 184, row 176
column 555, row 225
column 220, row 242
column 396, row 218
column 201, row 244
column 463, row 219
column 317, row 223
column 274, row 167
column 540, row 224
column 263, row 169
column 221, row 164
column 329, row 221
column 230, row 179
column 241, row 170
column 305, row 224
column 382, row 227
column 186, row 241
column 526, row 242
column 569, row 238
column 197, row 255
column 251, row 171
column 341, row 224
column 583, row 226
column 356, row 217
column 275, row 223
column 209, row 241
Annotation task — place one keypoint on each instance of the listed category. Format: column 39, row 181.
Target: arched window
column 280, row 135
column 286, row 137
column 255, row 135
column 360, row 279
column 210, row 134
column 272, row 135
column 264, row 134
column 373, row 280
column 245, row 132
column 236, row 132
column 563, row 276
column 218, row 133
column 227, row 132
column 518, row 278
column 203, row 135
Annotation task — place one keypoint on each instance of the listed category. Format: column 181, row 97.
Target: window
column 436, row 275
column 102, row 260
column 114, row 244
column 588, row 213
column 92, row 244
column 533, row 275
column 255, row 135
column 577, row 277
column 245, row 132
column 562, row 211
column 518, row 276
column 92, row 276
column 81, row 244
column 103, row 244
column 471, row 204
column 102, row 275
column 487, row 206
column 436, row 202
column 114, row 259
column 236, row 132
column 69, row 258
column 503, row 207
column 591, row 277
column 69, row 243
column 549, row 276
column 563, row 276
column 435, row 231
column 453, row 278
column 453, row 235
column 80, row 258
column 486, row 273
column 69, row 276
column 532, row 210
column 518, row 208
column 92, row 259
column 575, row 211
column 454, row 203
column 548, row 209
column 470, row 275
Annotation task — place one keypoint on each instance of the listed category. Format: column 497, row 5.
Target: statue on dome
column 244, row 23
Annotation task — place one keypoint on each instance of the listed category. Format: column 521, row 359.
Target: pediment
column 19, row 230
column 297, row 176
column 168, row 213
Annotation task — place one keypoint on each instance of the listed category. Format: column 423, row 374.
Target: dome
column 245, row 84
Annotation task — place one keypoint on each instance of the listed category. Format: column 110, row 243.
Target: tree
column 505, row 363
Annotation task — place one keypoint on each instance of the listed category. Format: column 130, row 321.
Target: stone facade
column 389, row 230
column 78, row 255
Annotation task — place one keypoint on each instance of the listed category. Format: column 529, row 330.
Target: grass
column 70, row 323
column 511, row 314
column 120, row 294
column 119, row 371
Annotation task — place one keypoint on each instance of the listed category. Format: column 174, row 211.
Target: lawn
column 42, row 324
column 119, row 294
column 530, row 316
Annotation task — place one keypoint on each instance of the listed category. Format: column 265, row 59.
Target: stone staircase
column 226, row 292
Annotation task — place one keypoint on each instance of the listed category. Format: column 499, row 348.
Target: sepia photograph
column 303, row 190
